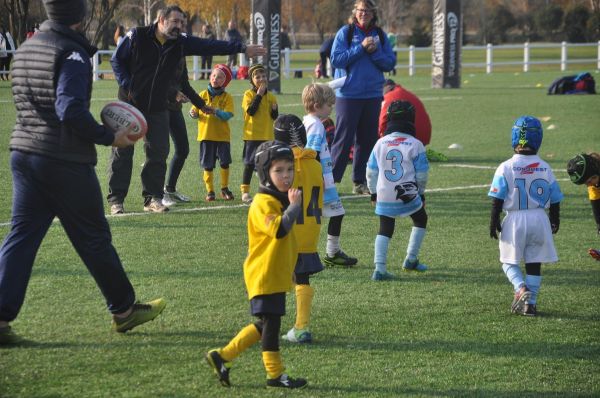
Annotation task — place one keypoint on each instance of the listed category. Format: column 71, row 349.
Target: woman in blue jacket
column 362, row 53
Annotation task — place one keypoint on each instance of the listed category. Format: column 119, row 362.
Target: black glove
column 554, row 217
column 495, row 225
column 373, row 197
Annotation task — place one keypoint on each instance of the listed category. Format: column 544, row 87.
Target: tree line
column 484, row 21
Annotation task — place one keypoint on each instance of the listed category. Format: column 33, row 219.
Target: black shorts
column 249, row 151
column 210, row 151
column 308, row 263
column 273, row 304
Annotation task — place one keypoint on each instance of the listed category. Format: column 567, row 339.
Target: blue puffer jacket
column 364, row 71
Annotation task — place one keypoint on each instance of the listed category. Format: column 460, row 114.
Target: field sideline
column 447, row 333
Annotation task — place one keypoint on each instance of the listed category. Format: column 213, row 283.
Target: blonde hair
column 316, row 94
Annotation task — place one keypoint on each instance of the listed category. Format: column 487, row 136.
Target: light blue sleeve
column 556, row 195
column 314, row 142
column 372, row 172
column 421, row 163
column 499, row 187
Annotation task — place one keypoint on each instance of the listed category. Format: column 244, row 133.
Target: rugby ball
column 118, row 115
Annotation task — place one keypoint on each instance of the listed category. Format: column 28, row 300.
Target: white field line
column 210, row 208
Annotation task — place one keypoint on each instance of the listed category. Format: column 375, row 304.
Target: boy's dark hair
column 290, row 129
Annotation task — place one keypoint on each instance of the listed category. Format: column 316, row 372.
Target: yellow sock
column 208, row 181
column 245, row 188
column 224, row 178
column 273, row 364
column 304, row 297
column 244, row 339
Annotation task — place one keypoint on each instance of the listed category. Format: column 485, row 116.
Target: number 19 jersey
column 525, row 182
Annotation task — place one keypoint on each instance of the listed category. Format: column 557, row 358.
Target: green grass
column 445, row 333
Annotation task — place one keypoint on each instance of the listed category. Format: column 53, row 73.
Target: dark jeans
column 356, row 124
column 45, row 188
column 156, row 146
column 206, row 64
column 181, row 147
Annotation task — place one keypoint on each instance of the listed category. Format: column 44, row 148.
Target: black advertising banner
column 265, row 29
column 446, row 44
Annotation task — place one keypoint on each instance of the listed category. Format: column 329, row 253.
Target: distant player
column 260, row 109
column 318, row 101
column 585, row 169
column 268, row 269
column 524, row 186
column 397, row 173
column 214, row 133
column 308, row 177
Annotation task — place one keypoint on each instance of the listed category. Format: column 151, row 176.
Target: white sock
column 333, row 245
column 533, row 283
column 414, row 243
column 514, row 275
column 381, row 251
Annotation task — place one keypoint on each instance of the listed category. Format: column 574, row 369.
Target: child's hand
column 373, row 199
column 193, row 113
column 295, row 196
column 262, row 89
column 274, row 107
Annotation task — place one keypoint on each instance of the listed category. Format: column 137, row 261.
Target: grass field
column 447, row 333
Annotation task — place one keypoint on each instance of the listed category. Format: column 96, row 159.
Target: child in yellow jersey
column 585, row 169
column 308, row 177
column 260, row 110
column 213, row 131
column 268, row 269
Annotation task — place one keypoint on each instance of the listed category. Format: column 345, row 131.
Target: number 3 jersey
column 397, row 170
column 525, row 182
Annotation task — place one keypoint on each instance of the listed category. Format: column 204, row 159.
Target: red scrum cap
column 226, row 71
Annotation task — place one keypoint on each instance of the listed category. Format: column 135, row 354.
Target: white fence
column 412, row 66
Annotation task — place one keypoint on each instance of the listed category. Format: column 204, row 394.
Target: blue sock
column 514, row 275
column 381, row 250
column 414, row 243
column 533, row 283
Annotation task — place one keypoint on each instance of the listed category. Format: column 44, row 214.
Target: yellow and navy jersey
column 308, row 176
column 594, row 193
column 270, row 263
column 210, row 127
column 258, row 127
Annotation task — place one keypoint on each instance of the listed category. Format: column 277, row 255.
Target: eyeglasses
column 363, row 11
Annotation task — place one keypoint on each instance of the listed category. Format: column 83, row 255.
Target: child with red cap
column 213, row 131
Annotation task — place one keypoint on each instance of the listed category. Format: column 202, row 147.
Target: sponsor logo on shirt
column 398, row 141
column 529, row 169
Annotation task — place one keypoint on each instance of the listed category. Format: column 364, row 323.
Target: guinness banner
column 265, row 29
column 446, row 44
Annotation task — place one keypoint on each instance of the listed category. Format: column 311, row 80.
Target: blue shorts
column 272, row 304
column 249, row 151
column 210, row 151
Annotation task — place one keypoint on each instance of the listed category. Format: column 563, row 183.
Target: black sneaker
column 339, row 258
column 226, row 194
column 219, row 366
column 8, row 337
column 284, row 381
column 530, row 310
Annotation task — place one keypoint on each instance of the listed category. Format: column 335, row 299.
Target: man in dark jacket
column 53, row 156
column 144, row 64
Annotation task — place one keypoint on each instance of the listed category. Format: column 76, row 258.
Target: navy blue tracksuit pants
column 181, row 147
column 45, row 188
column 357, row 123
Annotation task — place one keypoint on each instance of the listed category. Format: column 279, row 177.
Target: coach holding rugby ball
column 53, row 156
